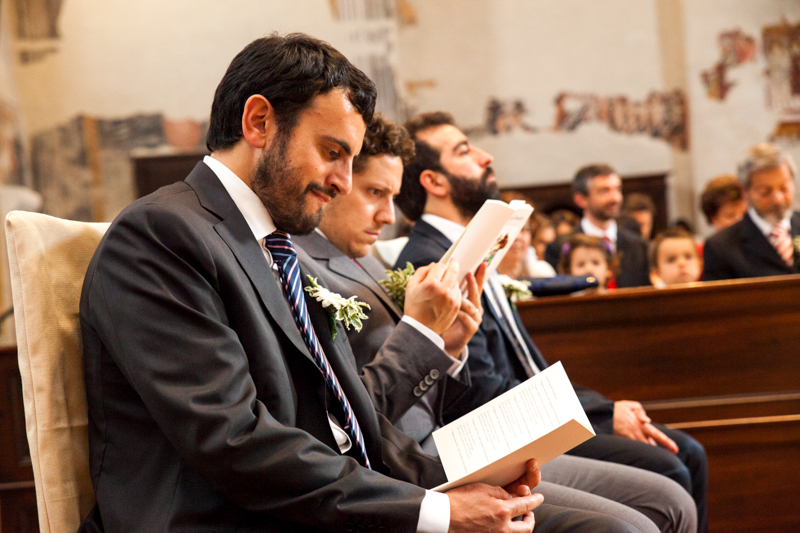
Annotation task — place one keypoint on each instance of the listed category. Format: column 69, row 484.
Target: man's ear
column 434, row 183
column 580, row 200
column 258, row 121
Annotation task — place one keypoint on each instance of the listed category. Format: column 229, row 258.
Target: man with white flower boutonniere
column 391, row 346
column 765, row 241
column 411, row 351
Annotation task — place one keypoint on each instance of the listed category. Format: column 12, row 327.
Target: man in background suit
column 762, row 243
column 341, row 246
column 443, row 188
column 218, row 399
column 597, row 190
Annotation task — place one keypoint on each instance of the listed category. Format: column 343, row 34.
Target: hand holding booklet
column 541, row 418
column 488, row 236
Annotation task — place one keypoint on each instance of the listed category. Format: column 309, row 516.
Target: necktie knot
column 280, row 247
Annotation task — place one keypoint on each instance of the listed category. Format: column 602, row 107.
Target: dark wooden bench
column 719, row 360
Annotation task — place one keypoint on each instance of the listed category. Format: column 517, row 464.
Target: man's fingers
column 480, row 277
column 660, row 438
column 450, row 276
column 524, row 504
column 522, row 526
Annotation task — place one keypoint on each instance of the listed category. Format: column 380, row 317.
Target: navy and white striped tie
column 280, row 246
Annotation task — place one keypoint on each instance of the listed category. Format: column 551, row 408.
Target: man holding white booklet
column 443, row 189
column 340, row 247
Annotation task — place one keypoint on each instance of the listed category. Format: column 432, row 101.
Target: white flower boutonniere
column 345, row 310
column 396, row 285
column 515, row 290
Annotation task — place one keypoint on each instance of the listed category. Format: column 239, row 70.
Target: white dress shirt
column 610, row 232
column 434, row 513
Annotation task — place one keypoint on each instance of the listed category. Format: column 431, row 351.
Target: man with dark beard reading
column 218, row 397
column 443, row 188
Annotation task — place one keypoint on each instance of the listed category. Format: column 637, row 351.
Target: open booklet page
column 541, row 418
column 488, row 235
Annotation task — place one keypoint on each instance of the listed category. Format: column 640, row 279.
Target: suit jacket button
column 434, row 374
column 349, row 527
column 424, row 386
column 417, row 392
column 429, row 380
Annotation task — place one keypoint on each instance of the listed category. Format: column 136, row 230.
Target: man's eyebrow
column 465, row 142
column 344, row 144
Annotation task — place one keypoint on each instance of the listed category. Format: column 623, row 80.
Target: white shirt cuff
column 458, row 364
column 434, row 513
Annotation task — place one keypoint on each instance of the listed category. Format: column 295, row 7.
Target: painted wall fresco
column 662, row 115
column 83, row 168
column 781, row 47
column 735, row 48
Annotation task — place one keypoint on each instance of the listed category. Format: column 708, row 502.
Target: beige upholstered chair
column 48, row 258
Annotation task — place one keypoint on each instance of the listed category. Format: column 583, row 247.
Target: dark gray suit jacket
column 397, row 362
column 206, row 411
column 742, row 251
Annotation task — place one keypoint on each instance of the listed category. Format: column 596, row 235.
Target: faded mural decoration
column 735, row 48
column 83, row 168
column 11, row 153
column 662, row 115
column 781, row 47
column 372, row 35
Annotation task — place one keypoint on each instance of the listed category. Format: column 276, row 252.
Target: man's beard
column 281, row 191
column 605, row 212
column 469, row 195
column 774, row 214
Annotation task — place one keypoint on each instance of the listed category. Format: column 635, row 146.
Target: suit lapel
column 754, row 244
column 342, row 361
column 233, row 229
column 319, row 248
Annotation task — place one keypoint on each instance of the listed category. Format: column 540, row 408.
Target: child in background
column 674, row 259
column 584, row 255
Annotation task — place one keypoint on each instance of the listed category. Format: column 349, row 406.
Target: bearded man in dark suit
column 218, row 398
column 443, row 188
column 762, row 243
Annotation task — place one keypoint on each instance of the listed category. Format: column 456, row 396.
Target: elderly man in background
column 762, row 243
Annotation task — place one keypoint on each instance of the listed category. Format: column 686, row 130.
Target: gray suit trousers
column 648, row 501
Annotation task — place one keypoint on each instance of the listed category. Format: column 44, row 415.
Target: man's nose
column 385, row 215
column 341, row 179
column 483, row 158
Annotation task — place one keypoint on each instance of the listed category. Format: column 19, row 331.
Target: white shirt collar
column 451, row 230
column 248, row 203
column 766, row 227
column 590, row 229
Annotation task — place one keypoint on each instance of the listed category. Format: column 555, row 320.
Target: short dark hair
column 718, row 192
column 637, row 201
column 289, row 72
column 384, row 137
column 413, row 196
column 674, row 233
column 580, row 183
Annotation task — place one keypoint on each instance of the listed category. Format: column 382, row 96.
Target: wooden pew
column 719, row 360
column 17, row 492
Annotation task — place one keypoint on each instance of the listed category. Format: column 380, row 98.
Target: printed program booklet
column 489, row 235
column 541, row 418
